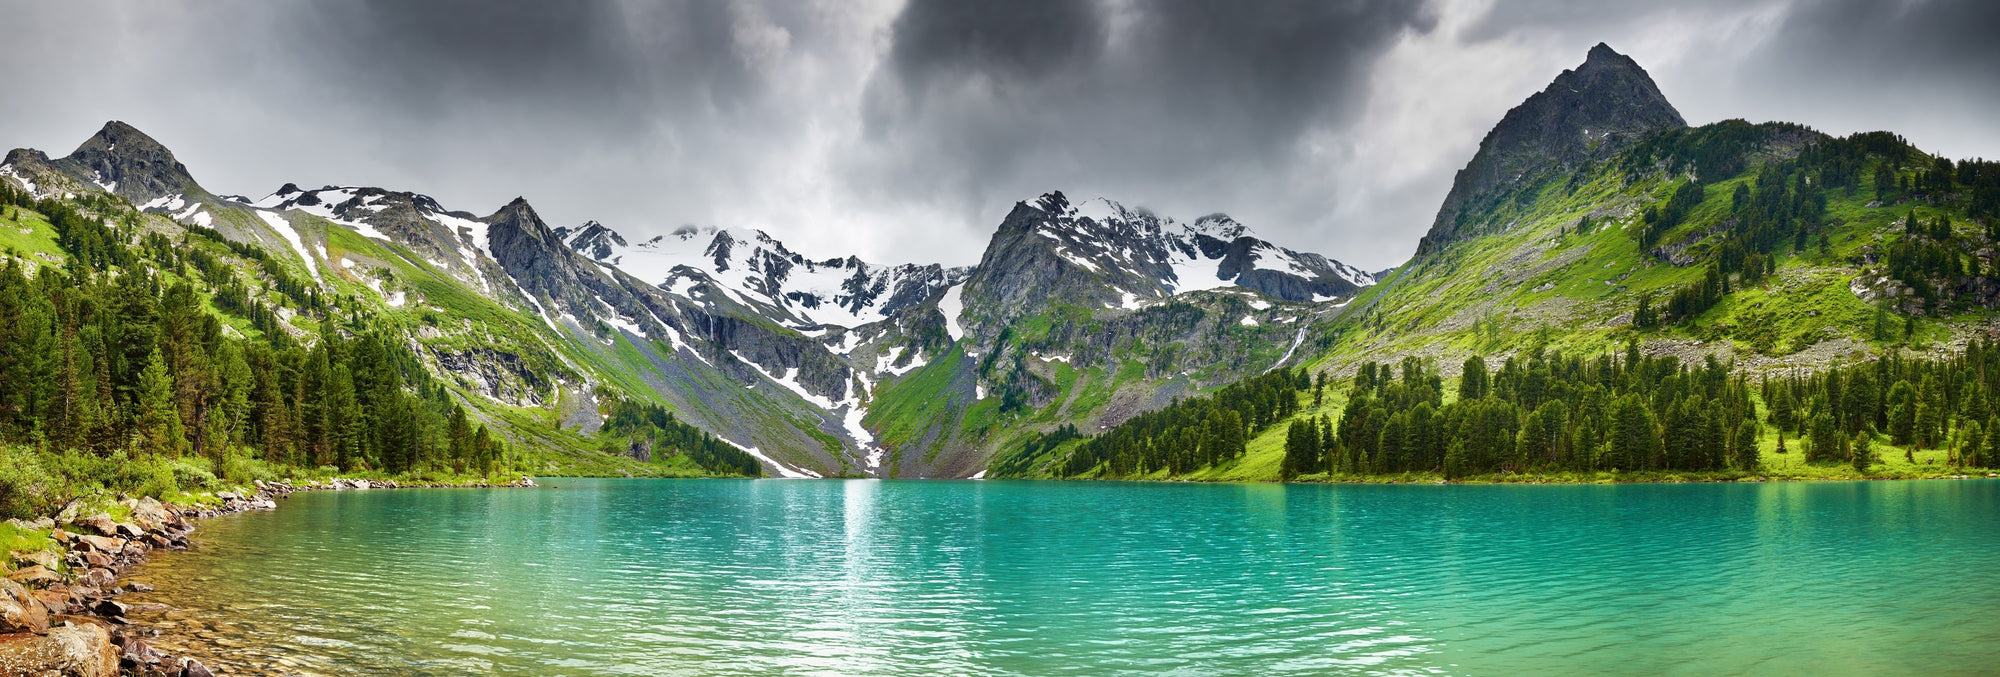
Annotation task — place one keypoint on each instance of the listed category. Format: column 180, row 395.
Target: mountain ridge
column 780, row 354
column 1588, row 113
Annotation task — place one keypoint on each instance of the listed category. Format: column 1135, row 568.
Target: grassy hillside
column 1666, row 295
column 145, row 356
column 1573, row 257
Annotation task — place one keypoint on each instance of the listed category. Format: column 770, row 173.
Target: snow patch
column 789, row 381
column 166, row 203
column 784, row 471
column 1247, row 321
column 278, row 223
column 1297, row 339
column 951, row 306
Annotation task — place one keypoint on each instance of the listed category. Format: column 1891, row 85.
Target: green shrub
column 190, row 475
column 27, row 488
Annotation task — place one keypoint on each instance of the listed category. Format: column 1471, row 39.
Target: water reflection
column 883, row 577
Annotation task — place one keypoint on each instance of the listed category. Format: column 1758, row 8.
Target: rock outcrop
column 1586, row 114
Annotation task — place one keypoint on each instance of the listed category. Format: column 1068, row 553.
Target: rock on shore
column 59, row 615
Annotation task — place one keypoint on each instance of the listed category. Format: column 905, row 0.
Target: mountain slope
column 1585, row 115
column 1081, row 315
column 1770, row 244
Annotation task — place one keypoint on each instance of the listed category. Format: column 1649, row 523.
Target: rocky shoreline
column 60, row 613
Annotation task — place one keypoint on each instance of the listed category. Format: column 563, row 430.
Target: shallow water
column 694, row 577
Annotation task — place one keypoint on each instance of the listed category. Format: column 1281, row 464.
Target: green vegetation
column 1548, row 417
column 148, row 358
column 632, row 423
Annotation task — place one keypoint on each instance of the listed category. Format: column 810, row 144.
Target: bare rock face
column 125, row 161
column 1590, row 113
column 68, row 651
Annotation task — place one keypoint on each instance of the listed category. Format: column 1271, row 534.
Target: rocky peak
column 1585, row 114
column 1101, row 254
column 758, row 271
column 594, row 240
column 518, row 237
column 123, row 160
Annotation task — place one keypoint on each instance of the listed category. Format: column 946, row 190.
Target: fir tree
column 159, row 423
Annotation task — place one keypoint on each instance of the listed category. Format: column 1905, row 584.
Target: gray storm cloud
column 904, row 131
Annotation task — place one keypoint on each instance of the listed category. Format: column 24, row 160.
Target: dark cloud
column 1028, row 39
column 904, row 131
column 1187, row 107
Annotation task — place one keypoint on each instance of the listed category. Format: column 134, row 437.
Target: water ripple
column 611, row 577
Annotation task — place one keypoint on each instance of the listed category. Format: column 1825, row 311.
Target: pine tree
column 1902, row 403
column 1634, row 439
column 1745, row 446
column 1863, row 452
column 1971, row 440
column 1472, row 381
column 159, row 422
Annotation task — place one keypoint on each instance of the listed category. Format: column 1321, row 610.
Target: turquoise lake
column 700, row 577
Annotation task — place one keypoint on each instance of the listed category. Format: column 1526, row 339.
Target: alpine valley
column 1080, row 313
column 1591, row 222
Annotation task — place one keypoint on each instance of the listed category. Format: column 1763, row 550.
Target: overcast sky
column 905, row 131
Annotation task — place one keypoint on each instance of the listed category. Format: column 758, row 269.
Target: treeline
column 1191, row 433
column 1951, row 404
column 1539, row 412
column 662, row 433
column 115, row 353
column 1550, row 412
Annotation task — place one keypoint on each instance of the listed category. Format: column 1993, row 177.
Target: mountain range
column 1591, row 217
column 817, row 366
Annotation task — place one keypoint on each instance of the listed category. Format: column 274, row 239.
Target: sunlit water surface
column 694, row 577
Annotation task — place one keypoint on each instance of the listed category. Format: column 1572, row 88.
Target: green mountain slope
column 288, row 339
column 1596, row 244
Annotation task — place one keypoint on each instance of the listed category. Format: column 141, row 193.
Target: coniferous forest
column 1544, row 414
column 116, row 372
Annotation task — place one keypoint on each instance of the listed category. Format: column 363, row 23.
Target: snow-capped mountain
column 752, row 268
column 817, row 366
column 1212, row 252
column 1100, row 254
column 449, row 240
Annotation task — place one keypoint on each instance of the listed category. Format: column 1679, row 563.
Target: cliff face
column 1586, row 114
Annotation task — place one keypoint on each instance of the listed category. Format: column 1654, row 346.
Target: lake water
column 698, row 577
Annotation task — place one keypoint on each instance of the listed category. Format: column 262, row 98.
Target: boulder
column 138, row 653
column 109, row 608
column 21, row 611
column 44, row 558
column 97, row 559
column 194, row 668
column 97, row 577
column 38, row 524
column 100, row 523
column 56, row 601
column 67, row 651
column 104, row 544
column 128, row 530
column 69, row 512
column 36, row 575
column 150, row 514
